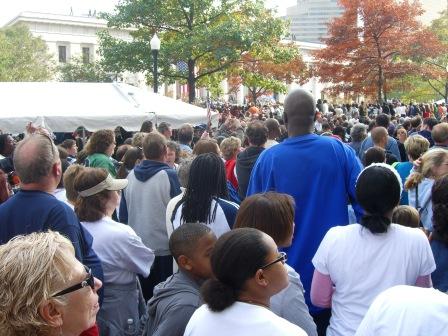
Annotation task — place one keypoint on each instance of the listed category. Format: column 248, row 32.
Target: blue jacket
column 320, row 173
column 391, row 147
column 37, row 211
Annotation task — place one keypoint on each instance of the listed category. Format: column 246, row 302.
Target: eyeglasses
column 89, row 281
column 283, row 258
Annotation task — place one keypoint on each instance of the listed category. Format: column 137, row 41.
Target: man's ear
column 50, row 313
column 260, row 279
column 184, row 262
column 57, row 169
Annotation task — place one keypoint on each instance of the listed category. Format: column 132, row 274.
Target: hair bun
column 217, row 295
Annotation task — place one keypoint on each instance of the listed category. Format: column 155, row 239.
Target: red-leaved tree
column 373, row 42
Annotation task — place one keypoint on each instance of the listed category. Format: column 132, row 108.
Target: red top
column 230, row 172
column 91, row 332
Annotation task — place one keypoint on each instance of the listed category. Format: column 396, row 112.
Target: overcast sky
column 10, row 9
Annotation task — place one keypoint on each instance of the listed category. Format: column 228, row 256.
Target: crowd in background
column 303, row 219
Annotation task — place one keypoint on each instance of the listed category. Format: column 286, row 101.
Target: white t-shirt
column 121, row 251
column 362, row 265
column 240, row 319
column 269, row 143
column 407, row 311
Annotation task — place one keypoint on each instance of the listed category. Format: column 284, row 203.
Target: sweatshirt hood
column 148, row 168
column 247, row 158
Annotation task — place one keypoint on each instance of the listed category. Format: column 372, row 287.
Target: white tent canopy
column 63, row 107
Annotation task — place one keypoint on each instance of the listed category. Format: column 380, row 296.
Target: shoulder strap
column 417, row 203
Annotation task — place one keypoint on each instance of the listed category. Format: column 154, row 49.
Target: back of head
column 207, row 179
column 185, row 134
column 163, row 127
column 416, row 145
column 378, row 191
column 430, row 161
column 379, row 135
column 440, row 209
column 416, row 122
column 183, row 171
column 69, row 180
column 146, row 127
column 68, row 143
column 90, row 208
column 299, row 109
column 100, row 141
column 273, row 127
column 382, row 120
column 206, row 146
column 230, row 147
column 406, row 215
column 439, row 133
column 237, row 256
column 34, row 158
column 50, row 257
column 184, row 240
column 130, row 159
column 374, row 155
column 257, row 133
column 358, row 132
column 154, row 146
column 271, row 212
column 137, row 139
column 430, row 122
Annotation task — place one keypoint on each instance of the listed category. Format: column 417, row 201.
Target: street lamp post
column 155, row 47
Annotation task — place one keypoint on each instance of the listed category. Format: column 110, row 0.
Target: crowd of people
column 311, row 219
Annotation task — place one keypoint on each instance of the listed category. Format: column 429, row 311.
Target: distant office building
column 309, row 19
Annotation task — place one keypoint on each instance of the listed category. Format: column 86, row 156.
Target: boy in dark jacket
column 176, row 299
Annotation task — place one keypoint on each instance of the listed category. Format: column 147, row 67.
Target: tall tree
column 373, row 42
column 79, row 71
column 199, row 37
column 436, row 68
column 270, row 70
column 23, row 57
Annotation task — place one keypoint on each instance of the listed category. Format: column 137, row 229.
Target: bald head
column 34, row 158
column 299, row 112
column 379, row 136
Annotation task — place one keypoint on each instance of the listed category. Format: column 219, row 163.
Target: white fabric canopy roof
column 63, row 107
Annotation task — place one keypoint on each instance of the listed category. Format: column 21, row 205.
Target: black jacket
column 245, row 161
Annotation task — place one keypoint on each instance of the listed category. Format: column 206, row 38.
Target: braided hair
column 206, row 181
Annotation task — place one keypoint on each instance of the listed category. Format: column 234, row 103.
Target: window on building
column 62, row 50
column 85, row 55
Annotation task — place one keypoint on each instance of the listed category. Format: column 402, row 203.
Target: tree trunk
column 380, row 85
column 191, row 82
column 253, row 93
column 446, row 92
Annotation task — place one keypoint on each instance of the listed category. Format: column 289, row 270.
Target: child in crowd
column 273, row 213
column 248, row 270
column 176, row 299
column 406, row 215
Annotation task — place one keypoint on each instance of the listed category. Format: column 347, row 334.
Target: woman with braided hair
column 355, row 263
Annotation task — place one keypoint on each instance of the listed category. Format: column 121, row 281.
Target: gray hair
column 358, row 132
column 184, row 171
column 34, row 158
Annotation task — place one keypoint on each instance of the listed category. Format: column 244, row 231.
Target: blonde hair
column 137, row 139
column 229, row 147
column 32, row 269
column 416, row 145
column 406, row 215
column 430, row 160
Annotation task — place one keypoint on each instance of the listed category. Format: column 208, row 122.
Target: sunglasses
column 89, row 281
column 283, row 258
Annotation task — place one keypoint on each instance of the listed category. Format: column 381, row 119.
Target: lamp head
column 155, row 43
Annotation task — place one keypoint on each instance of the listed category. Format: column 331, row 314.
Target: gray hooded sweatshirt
column 171, row 307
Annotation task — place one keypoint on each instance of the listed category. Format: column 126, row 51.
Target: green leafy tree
column 436, row 72
column 205, row 36
column 78, row 71
column 23, row 57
